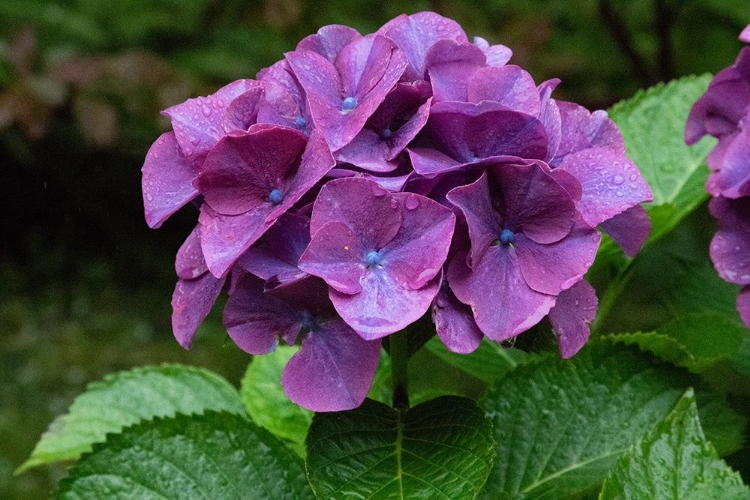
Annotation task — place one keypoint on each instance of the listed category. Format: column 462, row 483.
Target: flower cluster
column 364, row 181
column 724, row 112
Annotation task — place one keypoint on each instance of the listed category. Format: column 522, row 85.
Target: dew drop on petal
column 618, row 179
column 206, row 111
column 412, row 202
column 378, row 191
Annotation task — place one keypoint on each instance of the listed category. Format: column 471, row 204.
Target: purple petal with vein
column 497, row 55
column 730, row 247
column 450, row 66
column 192, row 300
column 454, row 323
column 167, row 180
column 574, row 310
column 333, row 370
column 629, row 229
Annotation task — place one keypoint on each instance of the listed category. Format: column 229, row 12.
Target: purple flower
column 730, row 247
column 527, row 246
column 343, row 94
column 574, row 310
column 248, row 181
column 334, row 368
column 380, row 253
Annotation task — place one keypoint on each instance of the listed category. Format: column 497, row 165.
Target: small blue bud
column 386, row 134
column 372, row 258
column 349, row 104
column 300, row 122
column 275, row 196
column 507, row 237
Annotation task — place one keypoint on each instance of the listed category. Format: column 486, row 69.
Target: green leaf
column 674, row 461
column 652, row 124
column 439, row 449
column 124, row 398
column 488, row 363
column 264, row 398
column 211, row 456
column 561, row 425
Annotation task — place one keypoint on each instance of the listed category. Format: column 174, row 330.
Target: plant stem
column 399, row 364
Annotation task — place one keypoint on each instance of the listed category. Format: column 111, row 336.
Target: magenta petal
column 415, row 35
column 582, row 129
column 454, row 323
column 555, row 267
column 329, row 40
column 361, row 204
column 429, row 162
column 282, row 246
column 503, row 305
column 730, row 247
column 630, row 229
column 242, row 170
column 255, row 320
column 611, row 183
column 190, row 263
column 368, row 151
column 743, row 305
column 484, row 225
column 497, row 55
column 333, row 370
column 450, row 66
column 335, row 255
column 532, row 201
column 242, row 112
column 383, row 307
column 745, row 35
column 733, row 178
column 167, row 180
column 418, row 251
column 191, row 302
column 574, row 310
column 508, row 85
column 467, row 132
column 199, row 123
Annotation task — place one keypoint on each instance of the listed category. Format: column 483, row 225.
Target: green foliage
column 674, row 461
column 652, row 124
column 216, row 455
column 266, row 402
column 125, row 398
column 439, row 449
column 560, row 426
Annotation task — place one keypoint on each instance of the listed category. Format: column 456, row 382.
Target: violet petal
column 510, row 86
column 190, row 263
column 629, row 229
column 454, row 323
column 167, row 180
column 730, row 247
column 333, row 370
column 574, row 310
column 192, row 300
column 335, row 254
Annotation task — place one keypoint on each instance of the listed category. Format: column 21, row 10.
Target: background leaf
column 439, row 449
column 674, row 461
column 561, row 425
column 125, row 398
column 211, row 456
column 264, row 398
column 652, row 124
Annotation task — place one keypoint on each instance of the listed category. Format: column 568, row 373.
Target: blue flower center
column 275, row 196
column 372, row 258
column 507, row 237
column 386, row 134
column 309, row 323
column 300, row 122
column 349, row 104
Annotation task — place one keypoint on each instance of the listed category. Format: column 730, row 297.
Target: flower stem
column 399, row 364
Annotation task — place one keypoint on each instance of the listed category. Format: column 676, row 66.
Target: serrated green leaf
column 211, row 456
column 439, row 449
column 652, row 124
column 124, row 398
column 264, row 398
column 674, row 461
column 488, row 363
column 561, row 425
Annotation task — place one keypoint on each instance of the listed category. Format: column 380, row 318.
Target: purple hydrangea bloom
column 724, row 112
column 364, row 180
column 381, row 253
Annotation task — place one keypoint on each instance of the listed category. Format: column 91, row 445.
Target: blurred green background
column 85, row 286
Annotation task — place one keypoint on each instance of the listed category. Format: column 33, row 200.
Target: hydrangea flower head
column 724, row 112
column 365, row 181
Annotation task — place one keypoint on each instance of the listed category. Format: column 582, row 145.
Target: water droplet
column 618, row 193
column 149, row 197
column 206, row 111
column 394, row 204
column 195, row 140
column 348, row 104
column 633, row 177
column 618, row 179
column 412, row 202
column 378, row 191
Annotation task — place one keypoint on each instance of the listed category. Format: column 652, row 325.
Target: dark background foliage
column 84, row 284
